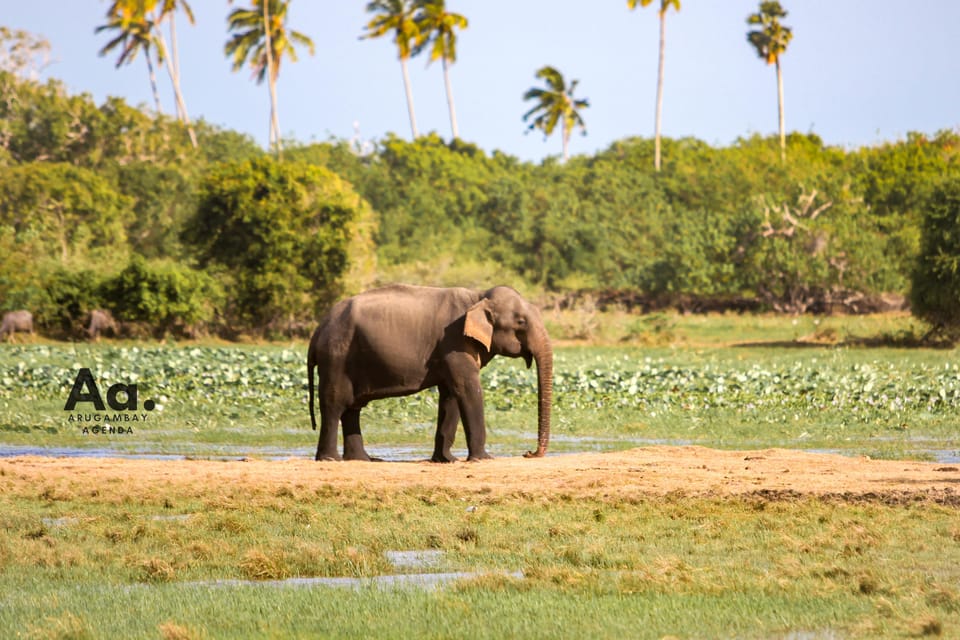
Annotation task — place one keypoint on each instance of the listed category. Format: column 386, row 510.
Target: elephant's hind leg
column 352, row 438
column 327, row 443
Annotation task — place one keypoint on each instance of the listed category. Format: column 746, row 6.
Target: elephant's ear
column 478, row 325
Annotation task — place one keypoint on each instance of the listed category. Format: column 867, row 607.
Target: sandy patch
column 647, row 471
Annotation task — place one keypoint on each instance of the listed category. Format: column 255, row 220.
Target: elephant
column 14, row 321
column 101, row 321
column 401, row 339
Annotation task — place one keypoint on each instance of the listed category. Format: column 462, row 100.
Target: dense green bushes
column 276, row 235
column 107, row 206
column 936, row 281
column 163, row 295
column 716, row 222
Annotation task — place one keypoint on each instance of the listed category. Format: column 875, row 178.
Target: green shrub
column 935, row 295
column 165, row 295
column 75, row 213
column 279, row 236
column 70, row 296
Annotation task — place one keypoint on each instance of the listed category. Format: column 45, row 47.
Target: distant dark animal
column 100, row 321
column 16, row 321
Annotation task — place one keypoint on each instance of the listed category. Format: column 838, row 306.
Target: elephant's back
column 409, row 308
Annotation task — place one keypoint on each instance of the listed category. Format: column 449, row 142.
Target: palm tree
column 664, row 5
column 138, row 23
column 134, row 34
column 167, row 12
column 555, row 104
column 771, row 42
column 439, row 26
column 398, row 17
column 261, row 38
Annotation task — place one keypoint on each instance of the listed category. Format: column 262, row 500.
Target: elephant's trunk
column 543, row 354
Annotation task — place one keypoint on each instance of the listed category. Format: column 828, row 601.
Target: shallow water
column 405, row 560
column 400, row 581
column 389, row 454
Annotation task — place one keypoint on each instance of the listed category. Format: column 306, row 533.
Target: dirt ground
column 648, row 471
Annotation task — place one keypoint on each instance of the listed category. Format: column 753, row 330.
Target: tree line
column 107, row 206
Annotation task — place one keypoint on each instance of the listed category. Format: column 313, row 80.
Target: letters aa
column 85, row 390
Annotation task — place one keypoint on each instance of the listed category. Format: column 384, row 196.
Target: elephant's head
column 507, row 325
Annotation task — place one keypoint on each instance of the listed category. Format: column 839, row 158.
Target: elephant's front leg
column 465, row 384
column 352, row 438
column 448, row 417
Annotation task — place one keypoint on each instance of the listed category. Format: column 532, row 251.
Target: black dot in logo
column 149, row 405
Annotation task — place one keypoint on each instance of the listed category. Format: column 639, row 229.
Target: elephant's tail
column 311, row 365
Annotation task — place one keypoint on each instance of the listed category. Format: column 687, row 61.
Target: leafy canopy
column 439, row 29
column 555, row 104
column 772, row 38
column 399, row 18
column 249, row 42
column 664, row 5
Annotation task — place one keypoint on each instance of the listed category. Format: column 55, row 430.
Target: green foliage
column 86, row 186
column 74, row 212
column 896, row 181
column 70, row 296
column 162, row 199
column 19, row 285
column 710, row 224
column 936, row 281
column 165, row 295
column 426, row 193
column 44, row 123
column 276, row 234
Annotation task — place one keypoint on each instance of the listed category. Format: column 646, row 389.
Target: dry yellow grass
column 659, row 470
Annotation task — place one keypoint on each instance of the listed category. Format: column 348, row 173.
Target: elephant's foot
column 360, row 456
column 353, row 448
column 483, row 455
column 444, row 457
column 327, row 457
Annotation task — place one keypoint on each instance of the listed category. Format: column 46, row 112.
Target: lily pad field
column 748, row 482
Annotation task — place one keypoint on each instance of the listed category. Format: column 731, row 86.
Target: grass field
column 174, row 556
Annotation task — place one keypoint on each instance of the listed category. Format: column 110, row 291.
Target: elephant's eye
column 521, row 322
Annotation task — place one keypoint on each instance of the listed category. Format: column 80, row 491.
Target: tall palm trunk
column 175, row 51
column 174, row 48
column 783, row 135
column 453, row 110
column 275, row 119
column 564, row 130
column 566, row 139
column 153, row 83
column 659, row 115
column 272, row 82
column 177, row 94
column 409, row 92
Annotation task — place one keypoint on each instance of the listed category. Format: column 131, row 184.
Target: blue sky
column 858, row 72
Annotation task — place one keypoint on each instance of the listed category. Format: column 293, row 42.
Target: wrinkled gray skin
column 403, row 339
column 101, row 321
column 14, row 321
